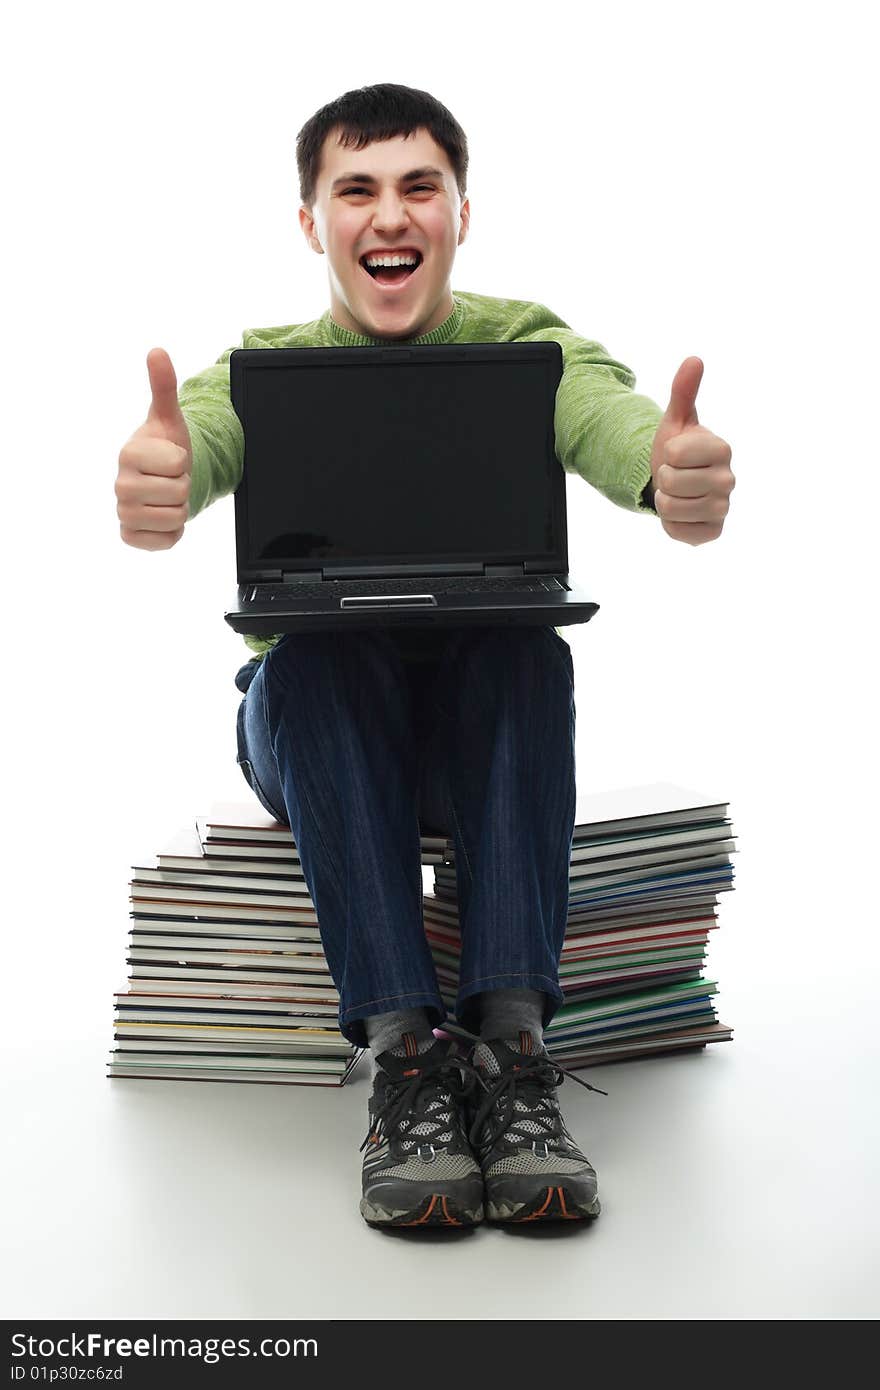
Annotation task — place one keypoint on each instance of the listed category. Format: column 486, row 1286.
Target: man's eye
column 417, row 188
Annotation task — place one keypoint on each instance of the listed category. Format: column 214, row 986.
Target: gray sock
column 384, row 1031
column 505, row 1013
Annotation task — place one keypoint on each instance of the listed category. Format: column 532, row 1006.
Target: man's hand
column 155, row 464
column 690, row 466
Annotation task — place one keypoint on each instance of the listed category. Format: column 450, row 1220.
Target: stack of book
column 646, row 867
column 228, row 980
column 227, row 976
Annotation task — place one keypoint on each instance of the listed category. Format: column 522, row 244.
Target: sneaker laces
column 519, row 1095
column 427, row 1096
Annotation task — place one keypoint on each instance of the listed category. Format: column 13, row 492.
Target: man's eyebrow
column 404, row 178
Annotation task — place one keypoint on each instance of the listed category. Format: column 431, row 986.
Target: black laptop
column 410, row 486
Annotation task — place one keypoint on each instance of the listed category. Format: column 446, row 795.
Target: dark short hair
column 378, row 113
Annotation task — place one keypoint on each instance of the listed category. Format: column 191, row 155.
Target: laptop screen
column 393, row 460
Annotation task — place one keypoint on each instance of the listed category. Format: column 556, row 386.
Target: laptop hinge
column 504, row 571
column 405, row 571
column 300, row 576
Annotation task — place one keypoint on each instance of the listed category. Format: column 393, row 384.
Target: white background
column 671, row 180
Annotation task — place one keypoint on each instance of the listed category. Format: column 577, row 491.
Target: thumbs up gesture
column 155, row 465
column 690, row 466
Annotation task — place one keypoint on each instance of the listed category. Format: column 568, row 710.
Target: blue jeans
column 357, row 750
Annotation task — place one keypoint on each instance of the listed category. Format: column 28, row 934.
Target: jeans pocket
column 247, row 769
column 246, row 674
column 563, row 651
column 250, row 777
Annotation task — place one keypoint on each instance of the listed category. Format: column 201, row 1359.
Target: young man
column 353, row 740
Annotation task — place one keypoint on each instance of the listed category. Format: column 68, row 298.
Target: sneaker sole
column 551, row 1204
column 435, row 1210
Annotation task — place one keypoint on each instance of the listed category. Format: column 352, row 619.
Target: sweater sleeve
column 216, row 434
column 604, row 431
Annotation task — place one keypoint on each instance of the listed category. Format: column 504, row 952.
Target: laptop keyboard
column 274, row 593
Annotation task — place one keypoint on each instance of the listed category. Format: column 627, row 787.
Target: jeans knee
column 521, row 648
column 296, row 646
column 296, row 654
column 343, row 665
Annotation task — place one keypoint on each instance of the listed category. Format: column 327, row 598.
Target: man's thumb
column 164, row 406
column 682, row 407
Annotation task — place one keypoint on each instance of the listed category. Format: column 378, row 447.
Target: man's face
column 392, row 196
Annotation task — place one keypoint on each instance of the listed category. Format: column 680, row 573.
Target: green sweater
column 604, row 431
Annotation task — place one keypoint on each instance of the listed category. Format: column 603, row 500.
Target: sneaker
column 532, row 1168
column 419, row 1169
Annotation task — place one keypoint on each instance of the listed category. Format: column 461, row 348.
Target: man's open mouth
column 391, row 276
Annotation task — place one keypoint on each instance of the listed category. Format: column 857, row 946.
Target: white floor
column 740, row 1182
column 737, row 1183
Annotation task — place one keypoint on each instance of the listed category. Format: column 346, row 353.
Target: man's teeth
column 391, row 260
